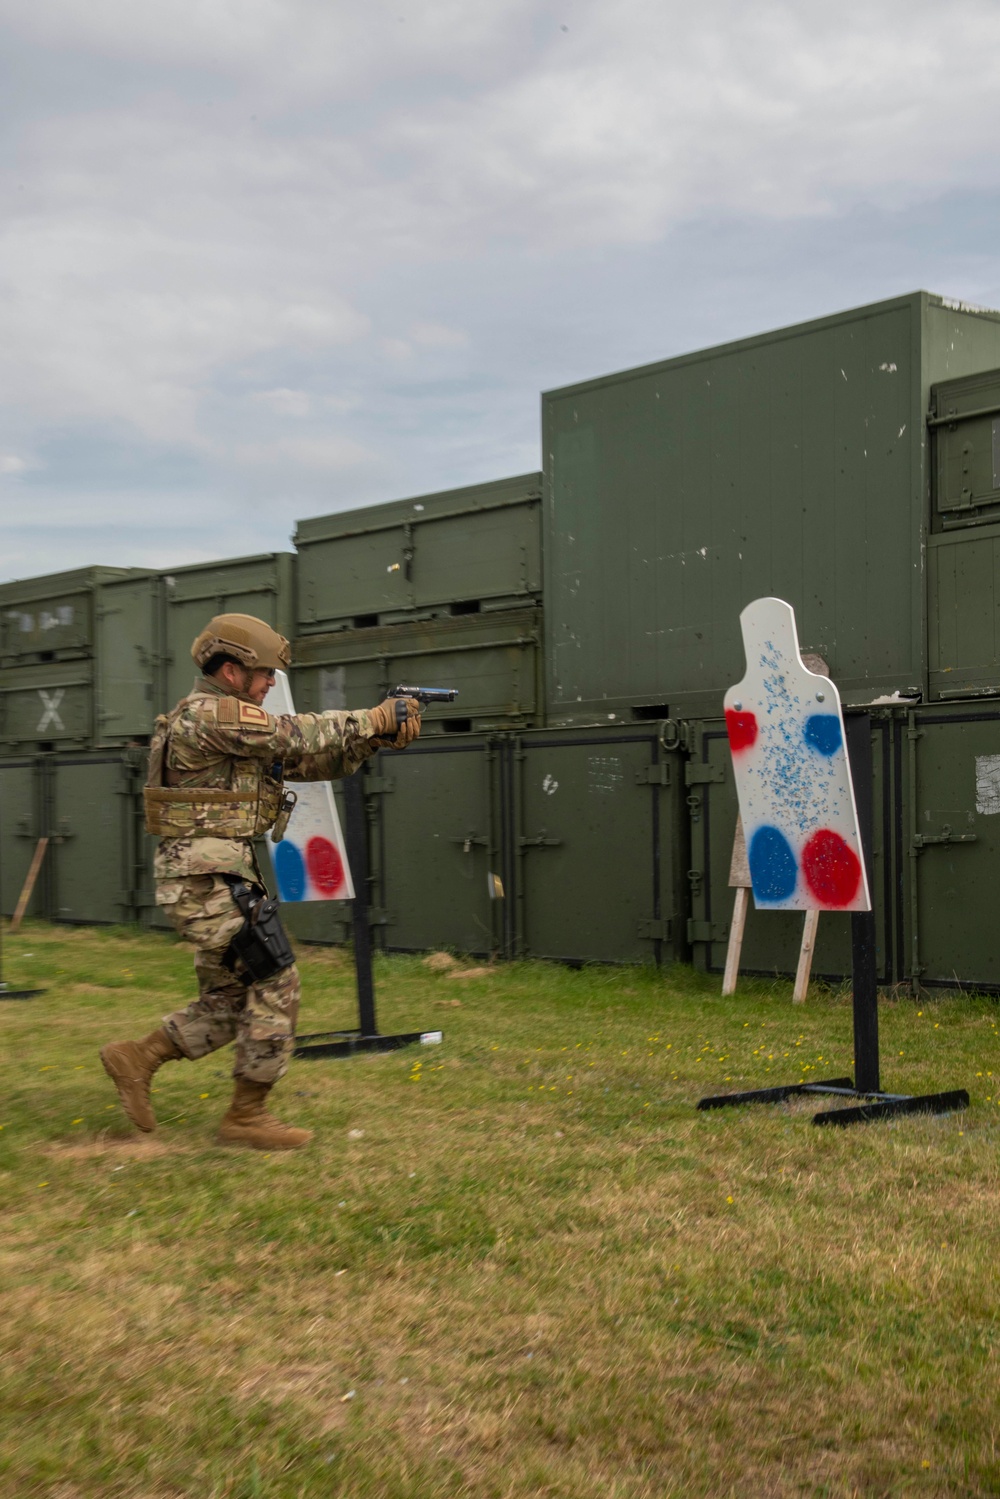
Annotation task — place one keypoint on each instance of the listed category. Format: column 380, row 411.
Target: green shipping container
column 22, row 823
column 949, row 844
column 78, row 660
column 585, row 830
column 86, row 805
column 456, row 553
column 492, row 659
column 261, row 585
column 963, row 556
column 793, row 464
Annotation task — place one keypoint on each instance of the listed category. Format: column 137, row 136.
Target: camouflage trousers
column 260, row 1019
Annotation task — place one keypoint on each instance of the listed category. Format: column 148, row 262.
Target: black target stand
column 867, row 1084
column 366, row 1036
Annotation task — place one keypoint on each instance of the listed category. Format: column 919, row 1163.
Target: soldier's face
column 260, row 681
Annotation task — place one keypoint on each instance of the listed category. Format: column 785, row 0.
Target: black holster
column 261, row 947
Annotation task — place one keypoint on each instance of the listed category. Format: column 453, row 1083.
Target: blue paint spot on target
column 821, row 732
column 290, row 869
column 773, row 869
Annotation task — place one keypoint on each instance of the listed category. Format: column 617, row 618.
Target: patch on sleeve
column 252, row 717
column 227, row 710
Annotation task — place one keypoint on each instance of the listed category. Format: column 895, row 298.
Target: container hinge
column 655, row 930
column 924, row 840
column 378, row 785
column 653, row 775
column 63, row 831
column 467, row 842
column 703, row 775
column 706, row 931
column 542, row 841
column 695, row 878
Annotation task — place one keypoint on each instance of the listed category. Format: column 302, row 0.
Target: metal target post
column 864, row 972
column 366, row 1037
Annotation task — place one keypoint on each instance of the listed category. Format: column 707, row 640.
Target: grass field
column 516, row 1264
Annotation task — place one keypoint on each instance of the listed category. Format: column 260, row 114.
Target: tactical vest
column 245, row 808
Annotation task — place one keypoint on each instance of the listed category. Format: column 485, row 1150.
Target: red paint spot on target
column 832, row 869
column 325, row 866
column 742, row 728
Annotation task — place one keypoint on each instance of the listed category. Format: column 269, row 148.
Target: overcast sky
column 265, row 259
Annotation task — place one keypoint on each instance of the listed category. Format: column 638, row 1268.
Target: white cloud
column 221, row 215
column 315, row 454
column 438, row 336
column 296, row 403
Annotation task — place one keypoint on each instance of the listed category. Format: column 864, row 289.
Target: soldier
column 217, row 767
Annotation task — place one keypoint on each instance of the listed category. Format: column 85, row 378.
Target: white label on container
column 988, row 785
column 605, row 774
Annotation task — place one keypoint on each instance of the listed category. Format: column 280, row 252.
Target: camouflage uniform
column 217, row 762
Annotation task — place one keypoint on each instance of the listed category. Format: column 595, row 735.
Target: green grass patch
column 535, row 1270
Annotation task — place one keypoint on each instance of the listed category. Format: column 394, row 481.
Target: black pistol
column 423, row 695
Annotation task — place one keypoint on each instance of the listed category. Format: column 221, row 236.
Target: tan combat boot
column 130, row 1066
column 248, row 1122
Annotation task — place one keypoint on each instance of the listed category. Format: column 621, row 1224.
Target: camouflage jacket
column 216, row 768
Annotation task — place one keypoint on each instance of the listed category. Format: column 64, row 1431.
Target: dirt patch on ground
column 440, row 962
column 130, row 1146
column 471, row 973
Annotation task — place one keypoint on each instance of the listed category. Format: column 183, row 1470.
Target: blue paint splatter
column 794, row 786
column 289, row 866
column 822, row 732
column 772, row 865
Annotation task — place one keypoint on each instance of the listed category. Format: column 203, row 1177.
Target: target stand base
column 6, row 993
column 870, row 1106
column 322, row 1044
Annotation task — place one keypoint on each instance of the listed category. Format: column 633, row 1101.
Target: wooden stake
column 736, row 926
column 805, row 958
column 29, row 884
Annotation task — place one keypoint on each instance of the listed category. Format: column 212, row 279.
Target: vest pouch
column 269, row 803
column 288, row 804
column 182, row 812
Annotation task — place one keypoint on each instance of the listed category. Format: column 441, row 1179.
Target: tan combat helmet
column 248, row 640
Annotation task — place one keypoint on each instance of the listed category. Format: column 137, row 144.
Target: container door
column 953, row 842
column 50, row 704
column 148, row 912
column 20, row 830
column 260, row 586
column 91, row 822
column 963, row 592
column 54, row 624
column 436, row 843
column 127, row 661
column 491, row 659
column 772, row 938
column 495, row 554
column 596, row 847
